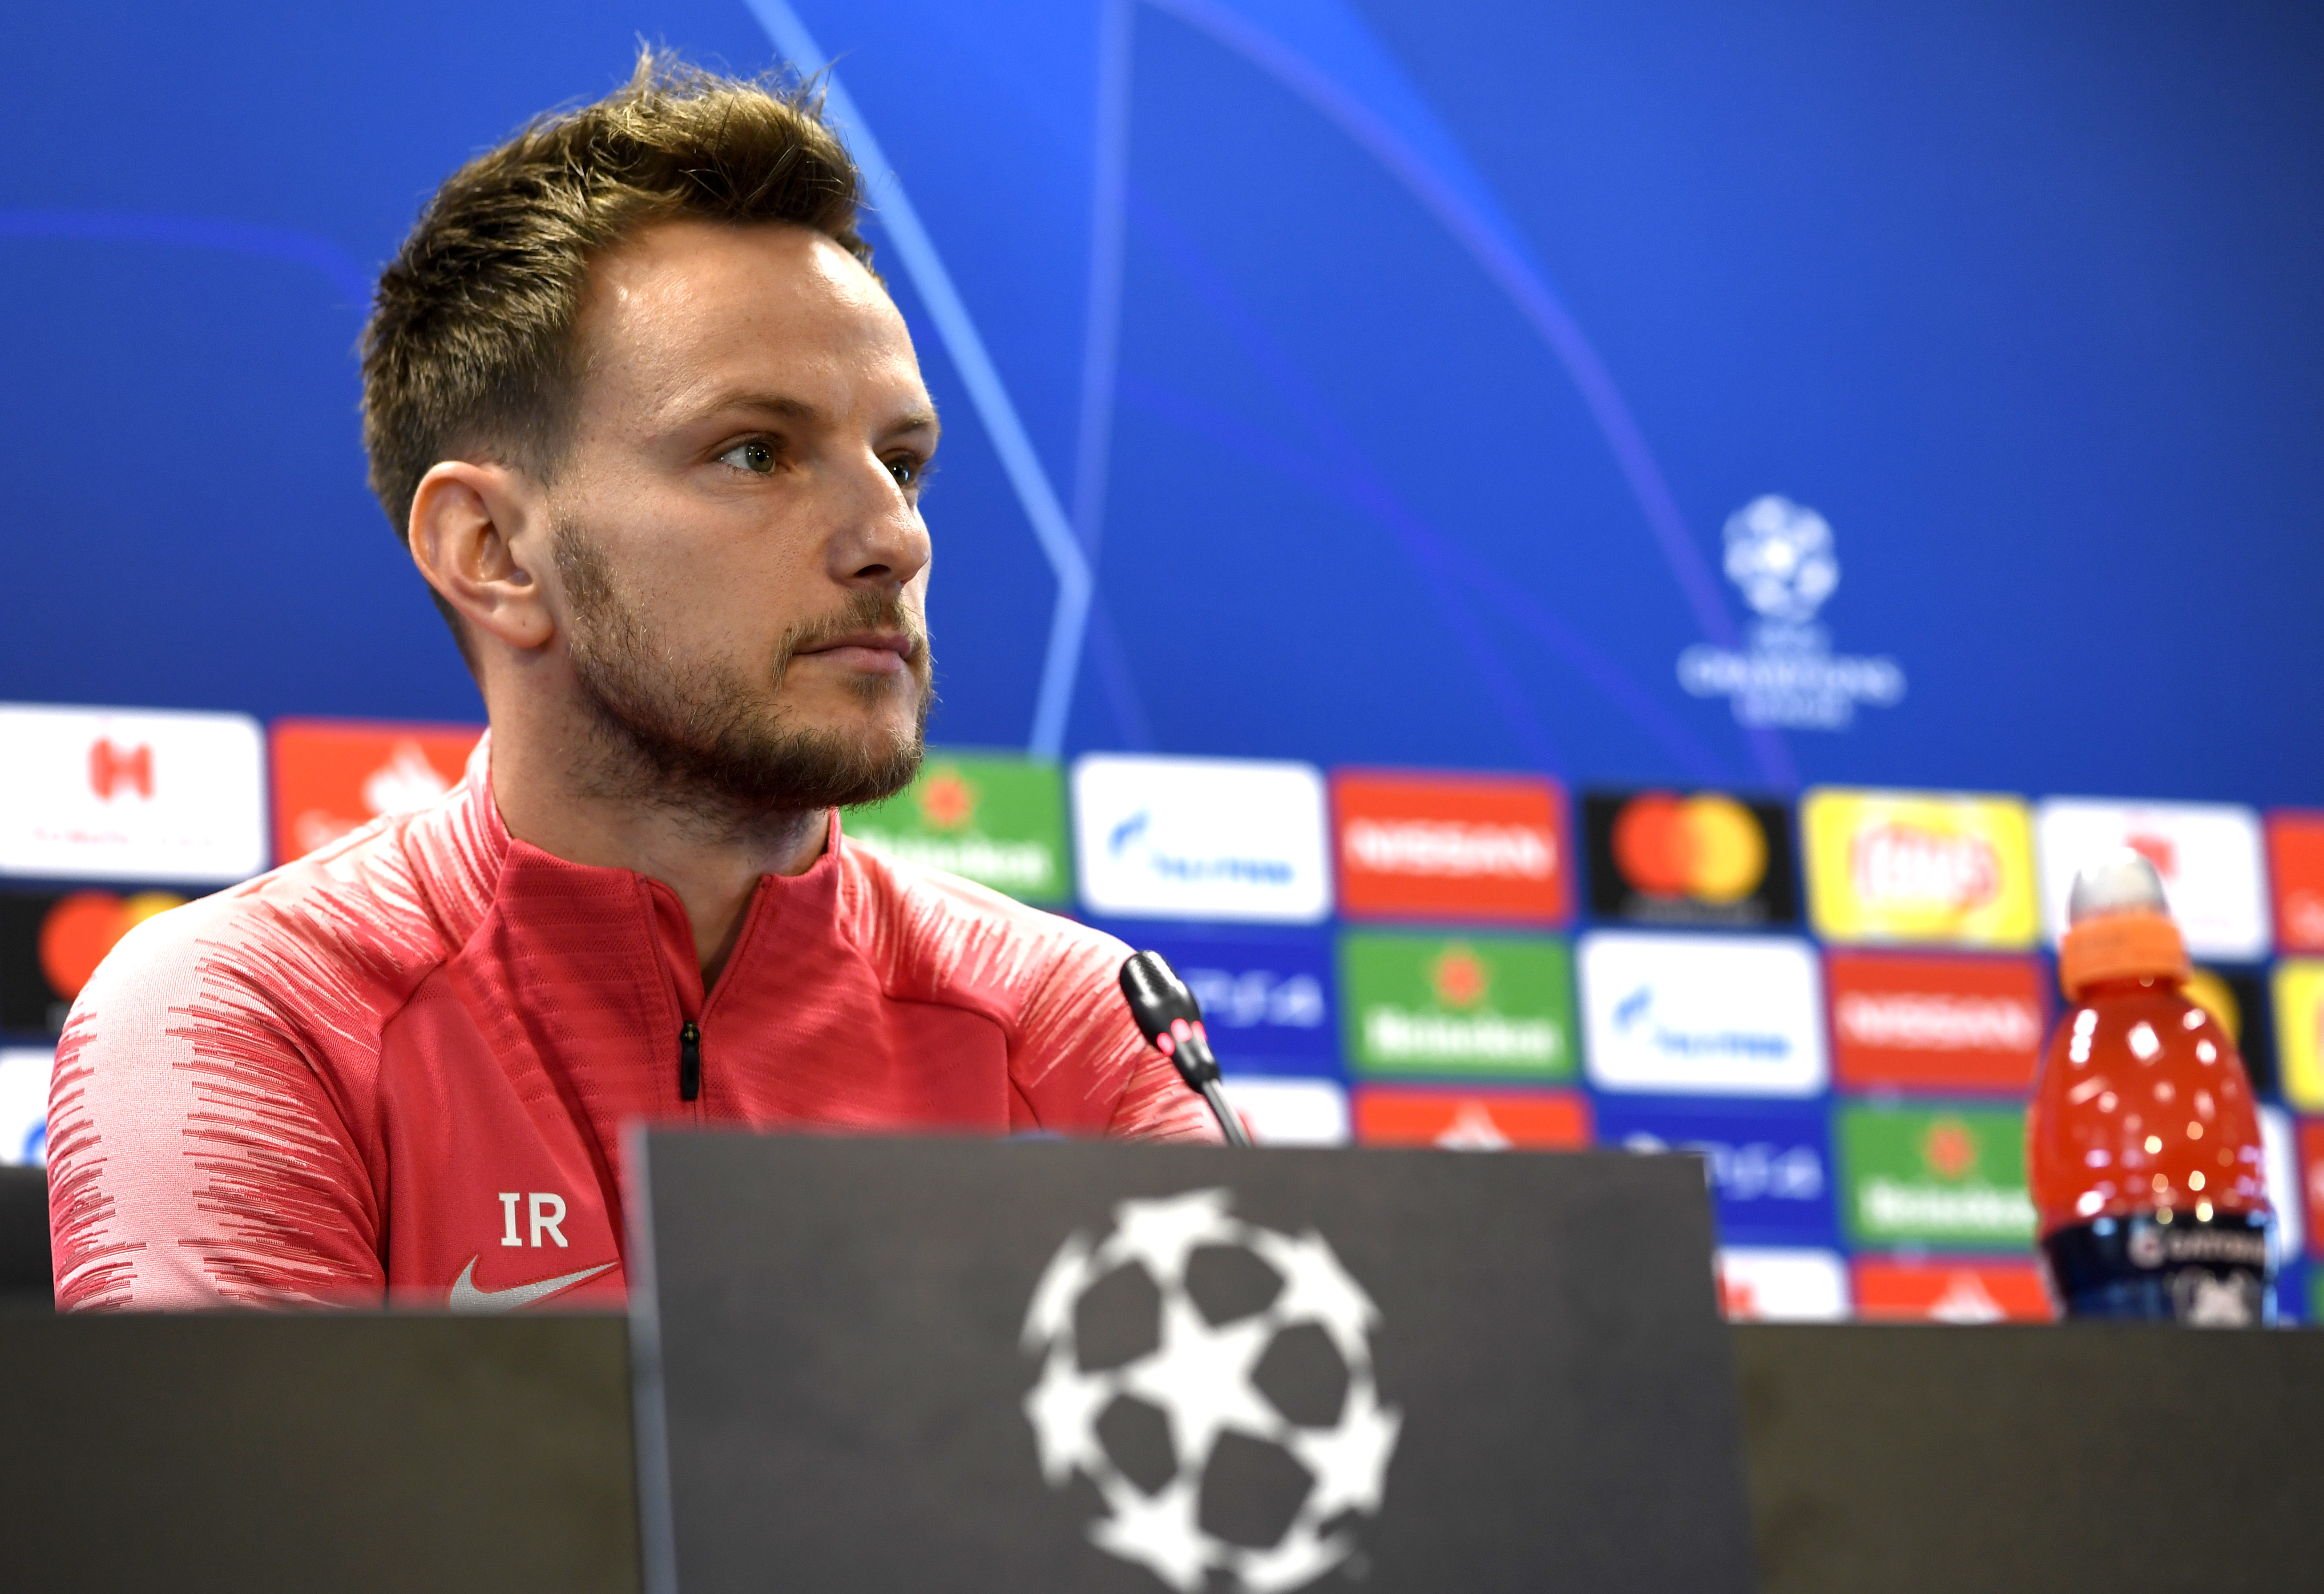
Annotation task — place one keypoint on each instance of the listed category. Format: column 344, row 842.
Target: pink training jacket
column 398, row 1069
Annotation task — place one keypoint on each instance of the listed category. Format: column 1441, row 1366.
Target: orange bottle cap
column 2137, row 945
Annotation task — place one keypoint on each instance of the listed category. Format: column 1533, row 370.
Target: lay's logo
column 1907, row 866
column 1920, row 866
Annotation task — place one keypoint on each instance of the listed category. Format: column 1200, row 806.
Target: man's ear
column 465, row 525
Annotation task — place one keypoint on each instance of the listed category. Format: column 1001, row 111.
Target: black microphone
column 1169, row 1017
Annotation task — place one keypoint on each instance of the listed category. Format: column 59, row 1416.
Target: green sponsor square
column 1937, row 1176
column 1497, row 1006
column 989, row 817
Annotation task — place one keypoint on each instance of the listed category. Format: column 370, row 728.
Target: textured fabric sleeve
column 196, row 1157
column 1081, row 1063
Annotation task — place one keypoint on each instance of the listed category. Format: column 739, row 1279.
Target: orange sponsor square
column 2311, row 1182
column 336, row 776
column 1471, row 1120
column 1950, row 1290
column 1933, row 1022
column 1479, row 847
column 2295, row 861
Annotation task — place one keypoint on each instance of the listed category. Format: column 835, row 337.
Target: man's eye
column 755, row 456
column 906, row 470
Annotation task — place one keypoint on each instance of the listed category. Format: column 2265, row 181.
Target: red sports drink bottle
column 2144, row 1141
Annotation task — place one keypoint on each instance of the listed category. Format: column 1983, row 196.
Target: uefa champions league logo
column 1780, row 556
column 1207, row 1380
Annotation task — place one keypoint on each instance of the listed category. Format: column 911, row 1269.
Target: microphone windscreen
column 1156, row 994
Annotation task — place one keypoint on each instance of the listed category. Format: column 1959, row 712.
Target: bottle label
column 2210, row 1273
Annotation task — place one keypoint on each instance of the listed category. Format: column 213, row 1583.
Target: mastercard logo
column 1708, row 847
column 78, row 931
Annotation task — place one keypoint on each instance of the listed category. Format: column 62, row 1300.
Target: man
column 656, row 437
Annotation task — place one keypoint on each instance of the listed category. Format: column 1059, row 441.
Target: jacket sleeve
column 196, row 1157
column 1080, row 1063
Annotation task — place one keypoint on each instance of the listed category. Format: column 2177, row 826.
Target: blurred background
column 1639, row 397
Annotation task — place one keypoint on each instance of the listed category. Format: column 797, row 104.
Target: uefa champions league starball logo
column 1780, row 555
column 1207, row 1380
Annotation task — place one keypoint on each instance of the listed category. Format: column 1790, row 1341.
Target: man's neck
column 547, row 796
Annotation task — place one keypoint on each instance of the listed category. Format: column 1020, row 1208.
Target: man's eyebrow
column 911, row 423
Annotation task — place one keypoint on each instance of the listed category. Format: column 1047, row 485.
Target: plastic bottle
column 2143, row 1144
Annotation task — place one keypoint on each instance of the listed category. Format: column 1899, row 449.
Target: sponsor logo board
column 1893, row 1289
column 333, row 776
column 1919, row 866
column 51, row 942
column 2208, row 854
column 1223, row 839
column 2299, row 988
column 1484, row 847
column 1721, row 1015
column 1269, row 999
column 1766, row 1283
column 1452, row 1004
column 1291, row 1112
column 136, row 794
column 2286, row 1189
column 1471, row 1120
column 1910, row 1021
column 989, row 817
column 1935, row 1176
column 1769, row 1164
column 2311, row 1141
column 2295, row 864
column 25, row 1105
column 1694, row 859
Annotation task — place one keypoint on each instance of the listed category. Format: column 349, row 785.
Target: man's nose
column 882, row 540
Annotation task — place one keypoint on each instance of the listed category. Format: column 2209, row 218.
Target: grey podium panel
column 1895, row 1460
column 251, row 1452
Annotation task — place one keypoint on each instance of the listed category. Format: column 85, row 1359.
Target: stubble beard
column 704, row 739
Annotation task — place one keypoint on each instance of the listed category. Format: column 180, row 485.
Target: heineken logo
column 1459, row 978
column 947, row 801
column 995, row 819
column 1420, row 1004
column 1949, row 1149
column 1918, row 1175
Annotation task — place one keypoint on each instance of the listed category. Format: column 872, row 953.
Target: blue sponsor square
column 1769, row 1163
column 1269, row 1000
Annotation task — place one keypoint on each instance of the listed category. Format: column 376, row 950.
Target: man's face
column 737, row 529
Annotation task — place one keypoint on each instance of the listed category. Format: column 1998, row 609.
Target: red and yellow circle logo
column 78, row 931
column 1708, row 846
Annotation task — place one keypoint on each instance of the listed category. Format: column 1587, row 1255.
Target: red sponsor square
column 2295, row 862
column 1471, row 1120
column 1915, row 1022
column 1950, row 1291
column 2311, row 1182
column 1479, row 847
column 334, row 776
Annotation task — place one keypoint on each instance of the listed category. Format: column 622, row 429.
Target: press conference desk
column 252, row 1452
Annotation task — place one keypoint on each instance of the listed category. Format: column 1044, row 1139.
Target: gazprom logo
column 1131, row 839
column 1220, row 839
column 1634, row 1019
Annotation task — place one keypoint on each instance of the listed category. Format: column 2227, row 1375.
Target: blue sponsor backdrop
column 1770, row 1164
column 1270, row 1000
column 1381, row 376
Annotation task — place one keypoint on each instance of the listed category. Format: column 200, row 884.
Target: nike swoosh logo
column 468, row 1297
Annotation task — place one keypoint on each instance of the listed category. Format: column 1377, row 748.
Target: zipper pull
column 689, row 1062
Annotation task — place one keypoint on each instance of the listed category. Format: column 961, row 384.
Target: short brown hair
column 470, row 340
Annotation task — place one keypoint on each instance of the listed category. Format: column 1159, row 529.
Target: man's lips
column 875, row 652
